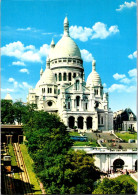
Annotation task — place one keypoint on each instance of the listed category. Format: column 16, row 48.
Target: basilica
column 62, row 89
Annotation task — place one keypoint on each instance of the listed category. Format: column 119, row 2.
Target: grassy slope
column 13, row 160
column 29, row 165
column 127, row 178
column 126, row 136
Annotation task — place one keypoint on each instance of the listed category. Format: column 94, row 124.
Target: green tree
column 60, row 169
column 112, row 186
column 7, row 111
column 19, row 111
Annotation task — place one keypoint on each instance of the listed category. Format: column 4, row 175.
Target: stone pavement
column 134, row 176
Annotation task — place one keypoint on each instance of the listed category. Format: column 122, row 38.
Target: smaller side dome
column 93, row 78
column 8, row 97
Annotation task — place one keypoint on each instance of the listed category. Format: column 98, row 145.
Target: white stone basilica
column 62, row 89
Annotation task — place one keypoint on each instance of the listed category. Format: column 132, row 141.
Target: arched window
column 102, row 120
column 78, row 100
column 74, row 75
column 71, row 121
column 70, row 76
column 77, row 84
column 60, row 77
column 56, row 76
column 64, row 77
column 80, row 122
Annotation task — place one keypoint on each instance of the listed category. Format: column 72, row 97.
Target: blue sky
column 104, row 30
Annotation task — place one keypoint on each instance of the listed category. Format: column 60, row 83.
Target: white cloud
column 101, row 31
column 125, row 80
column 133, row 72
column 25, row 53
column 119, row 76
column 104, row 85
column 44, row 50
column 78, row 32
column 86, row 55
column 98, row 30
column 133, row 55
column 24, row 70
column 122, row 88
column 7, row 90
column 24, row 85
column 18, row 63
column 24, row 29
column 12, row 80
column 126, row 5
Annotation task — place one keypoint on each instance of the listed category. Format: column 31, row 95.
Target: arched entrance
column 80, row 122
column 89, row 122
column 71, row 122
column 136, row 165
column 118, row 164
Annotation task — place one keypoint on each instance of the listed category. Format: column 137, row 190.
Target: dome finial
column 52, row 44
column 93, row 65
column 66, row 27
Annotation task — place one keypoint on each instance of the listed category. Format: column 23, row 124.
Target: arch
column 80, row 122
column 60, row 77
column 89, row 122
column 136, row 165
column 71, row 122
column 64, row 77
column 118, row 164
column 77, row 100
column 69, row 76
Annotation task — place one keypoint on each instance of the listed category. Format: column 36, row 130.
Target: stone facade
column 63, row 90
column 124, row 120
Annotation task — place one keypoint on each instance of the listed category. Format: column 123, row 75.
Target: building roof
column 93, row 78
column 8, row 97
column 65, row 47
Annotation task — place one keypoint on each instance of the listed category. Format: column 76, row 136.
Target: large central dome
column 66, row 47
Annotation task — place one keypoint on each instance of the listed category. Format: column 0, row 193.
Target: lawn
column 128, row 178
column 29, row 166
column 126, row 136
column 92, row 144
column 72, row 133
column 13, row 160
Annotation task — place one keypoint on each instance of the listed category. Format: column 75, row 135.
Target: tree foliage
column 112, row 186
column 61, row 169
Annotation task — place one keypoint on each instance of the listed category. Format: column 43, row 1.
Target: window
column 86, row 106
column 50, row 90
column 60, row 77
column 68, row 105
column 74, row 61
column 55, row 91
column 64, row 77
column 77, row 84
column 55, row 61
column 56, row 76
column 70, row 76
column 74, row 75
column 102, row 120
column 78, row 100
column 64, row 60
column 49, row 103
column 43, row 97
column 59, row 60
column 69, row 60
column 58, row 91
